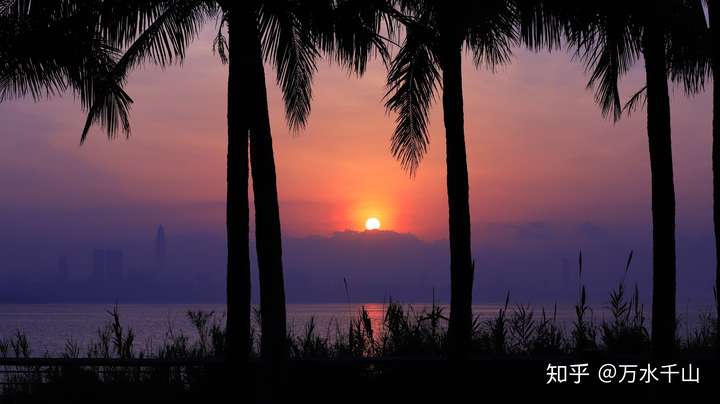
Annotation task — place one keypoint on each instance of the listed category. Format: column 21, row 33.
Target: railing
column 26, row 372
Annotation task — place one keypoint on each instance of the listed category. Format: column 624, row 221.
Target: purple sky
column 548, row 175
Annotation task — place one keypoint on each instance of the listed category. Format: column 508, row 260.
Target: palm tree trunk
column 663, row 189
column 461, row 264
column 238, row 214
column 267, row 218
column 715, row 60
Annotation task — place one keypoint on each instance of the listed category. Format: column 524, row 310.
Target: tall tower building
column 160, row 248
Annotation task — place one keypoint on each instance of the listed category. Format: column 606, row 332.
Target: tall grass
column 404, row 332
column 515, row 330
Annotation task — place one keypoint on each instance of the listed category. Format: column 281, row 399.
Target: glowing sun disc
column 372, row 223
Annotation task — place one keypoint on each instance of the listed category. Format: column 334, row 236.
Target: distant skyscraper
column 160, row 248
column 107, row 266
column 114, row 265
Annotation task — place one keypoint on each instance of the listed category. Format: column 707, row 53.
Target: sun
column 372, row 223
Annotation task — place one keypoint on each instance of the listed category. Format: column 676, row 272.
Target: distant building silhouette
column 114, row 266
column 107, row 266
column 160, row 248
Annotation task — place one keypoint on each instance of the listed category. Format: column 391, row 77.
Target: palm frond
column 412, row 82
column 122, row 22
column 608, row 52
column 689, row 46
column 350, row 31
column 48, row 47
column 36, row 80
column 33, row 57
column 288, row 43
column 102, row 95
column 638, row 100
column 492, row 32
column 165, row 29
column 220, row 43
column 543, row 24
column 26, row 72
column 110, row 108
column 164, row 37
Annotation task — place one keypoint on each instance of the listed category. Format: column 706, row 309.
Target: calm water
column 49, row 326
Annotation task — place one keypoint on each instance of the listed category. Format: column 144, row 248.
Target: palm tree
column 698, row 60
column 49, row 46
column 291, row 35
column 609, row 37
column 288, row 34
column 653, row 45
column 431, row 55
column 693, row 57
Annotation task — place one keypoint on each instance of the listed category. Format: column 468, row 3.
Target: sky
column 549, row 176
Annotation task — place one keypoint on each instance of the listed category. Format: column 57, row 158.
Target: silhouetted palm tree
column 653, row 45
column 609, row 37
column 700, row 60
column 290, row 35
column 47, row 46
column 435, row 33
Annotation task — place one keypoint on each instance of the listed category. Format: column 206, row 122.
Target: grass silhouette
column 407, row 349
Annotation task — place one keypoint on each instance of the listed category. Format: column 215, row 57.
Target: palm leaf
column 492, row 32
column 165, row 29
column 36, row 51
column 288, row 43
column 412, row 82
column 608, row 52
column 220, row 43
column 689, row 46
column 638, row 100
column 349, row 31
column 539, row 24
column 162, row 34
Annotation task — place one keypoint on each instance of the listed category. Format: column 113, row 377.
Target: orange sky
column 538, row 149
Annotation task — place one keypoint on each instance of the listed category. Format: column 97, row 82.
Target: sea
column 49, row 327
